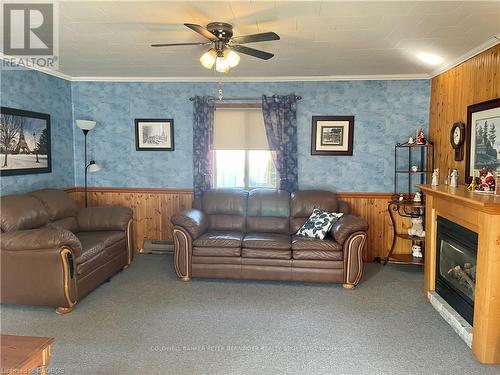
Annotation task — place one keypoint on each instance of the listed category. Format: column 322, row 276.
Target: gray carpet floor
column 145, row 321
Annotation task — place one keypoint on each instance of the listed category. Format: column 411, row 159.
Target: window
column 242, row 157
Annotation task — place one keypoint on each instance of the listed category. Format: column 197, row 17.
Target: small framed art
column 483, row 137
column 332, row 135
column 154, row 134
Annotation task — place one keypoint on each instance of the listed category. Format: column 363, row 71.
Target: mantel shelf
column 483, row 202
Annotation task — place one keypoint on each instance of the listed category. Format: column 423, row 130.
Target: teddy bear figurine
column 416, row 251
column 417, row 227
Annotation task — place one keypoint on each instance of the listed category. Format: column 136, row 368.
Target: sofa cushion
column 57, row 202
column 68, row 223
column 219, row 239
column 306, row 243
column 268, row 202
column 319, row 223
column 20, row 212
column 267, row 253
column 225, row 202
column 216, row 251
column 318, row 254
column 267, row 241
column 304, row 202
column 226, row 223
column 95, row 242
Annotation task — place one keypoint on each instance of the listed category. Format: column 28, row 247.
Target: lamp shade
column 93, row 167
column 208, row 58
column 85, row 124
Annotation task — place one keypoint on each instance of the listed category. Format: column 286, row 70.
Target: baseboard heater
column 158, row 247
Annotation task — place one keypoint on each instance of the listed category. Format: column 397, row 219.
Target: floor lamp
column 91, row 166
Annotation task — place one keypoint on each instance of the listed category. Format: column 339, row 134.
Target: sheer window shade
column 239, row 130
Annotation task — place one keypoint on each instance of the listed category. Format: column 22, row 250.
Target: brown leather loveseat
column 54, row 253
column 232, row 233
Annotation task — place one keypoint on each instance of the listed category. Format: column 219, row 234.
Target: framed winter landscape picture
column 24, row 142
column 154, row 134
column 483, row 134
column 332, row 135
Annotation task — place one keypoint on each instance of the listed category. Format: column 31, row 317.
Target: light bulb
column 232, row 58
column 208, row 58
column 221, row 64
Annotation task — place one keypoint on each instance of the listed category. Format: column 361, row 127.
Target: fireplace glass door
column 456, row 266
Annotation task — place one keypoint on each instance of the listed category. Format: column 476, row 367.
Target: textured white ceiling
column 318, row 38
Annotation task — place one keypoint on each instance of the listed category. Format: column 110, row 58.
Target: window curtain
column 203, row 139
column 280, row 120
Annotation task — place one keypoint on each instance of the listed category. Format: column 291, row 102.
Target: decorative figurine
column 487, row 181
column 410, row 140
column 414, row 168
column 418, row 197
column 447, row 179
column 416, row 251
column 435, row 177
column 420, row 137
column 473, row 184
column 417, row 227
column 401, row 197
column 454, row 178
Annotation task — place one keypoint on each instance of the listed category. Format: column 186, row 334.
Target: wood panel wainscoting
column 474, row 81
column 153, row 209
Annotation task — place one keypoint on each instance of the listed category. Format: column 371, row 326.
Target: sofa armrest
column 104, row 218
column 347, row 225
column 194, row 221
column 39, row 239
column 38, row 267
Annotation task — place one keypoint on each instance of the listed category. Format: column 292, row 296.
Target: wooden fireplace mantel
column 480, row 213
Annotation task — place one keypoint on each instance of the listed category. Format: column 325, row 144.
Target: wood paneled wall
column 154, row 207
column 475, row 80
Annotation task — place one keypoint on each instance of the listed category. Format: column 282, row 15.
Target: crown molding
column 493, row 41
column 257, row 79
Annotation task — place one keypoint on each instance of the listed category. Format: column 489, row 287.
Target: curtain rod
column 242, row 99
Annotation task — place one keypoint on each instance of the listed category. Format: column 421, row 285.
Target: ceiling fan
column 224, row 45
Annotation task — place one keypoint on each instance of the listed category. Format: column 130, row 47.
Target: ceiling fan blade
column 202, row 31
column 179, row 44
column 252, row 52
column 262, row 37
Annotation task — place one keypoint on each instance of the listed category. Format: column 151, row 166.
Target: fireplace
column 456, row 253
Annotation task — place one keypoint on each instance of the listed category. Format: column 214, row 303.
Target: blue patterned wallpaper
column 34, row 91
column 385, row 112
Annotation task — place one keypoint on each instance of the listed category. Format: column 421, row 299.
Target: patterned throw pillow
column 319, row 224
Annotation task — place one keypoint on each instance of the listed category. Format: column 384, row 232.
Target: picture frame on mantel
column 332, row 135
column 483, row 137
column 25, row 144
column 154, row 135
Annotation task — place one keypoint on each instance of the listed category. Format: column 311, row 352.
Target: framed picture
column 483, row 135
column 24, row 142
column 154, row 135
column 332, row 135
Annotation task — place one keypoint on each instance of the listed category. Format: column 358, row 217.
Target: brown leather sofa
column 54, row 253
column 232, row 233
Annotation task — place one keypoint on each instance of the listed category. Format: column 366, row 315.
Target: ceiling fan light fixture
column 221, row 64
column 232, row 58
column 208, row 58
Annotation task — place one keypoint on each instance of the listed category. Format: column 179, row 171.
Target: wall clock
column 457, row 136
